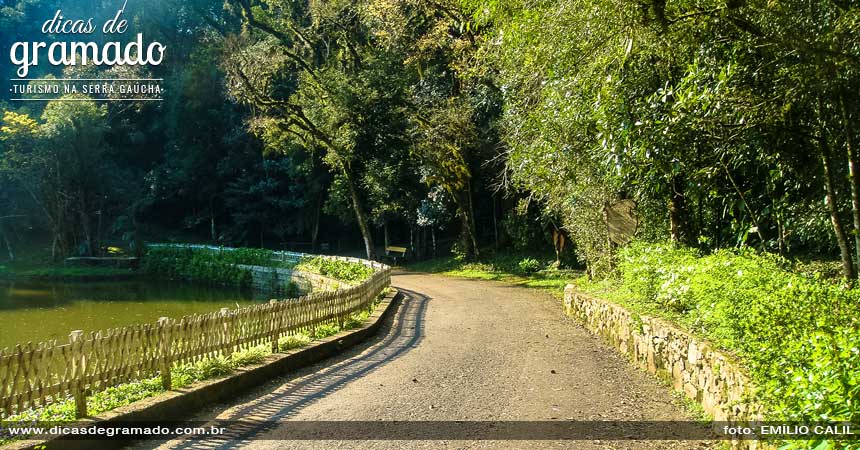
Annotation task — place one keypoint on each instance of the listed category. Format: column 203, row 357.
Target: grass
column 505, row 267
column 34, row 261
column 73, row 273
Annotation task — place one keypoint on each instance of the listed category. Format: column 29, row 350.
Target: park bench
column 395, row 252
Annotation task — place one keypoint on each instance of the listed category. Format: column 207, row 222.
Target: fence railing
column 34, row 375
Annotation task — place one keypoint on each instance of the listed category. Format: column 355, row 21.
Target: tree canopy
column 728, row 123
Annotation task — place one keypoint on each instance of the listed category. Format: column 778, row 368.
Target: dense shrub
column 529, row 265
column 204, row 265
column 340, row 270
column 797, row 334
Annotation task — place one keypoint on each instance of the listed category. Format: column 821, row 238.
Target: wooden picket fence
column 34, row 375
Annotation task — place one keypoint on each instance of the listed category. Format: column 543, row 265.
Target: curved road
column 458, row 350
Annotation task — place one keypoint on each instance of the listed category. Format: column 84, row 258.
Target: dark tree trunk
column 315, row 230
column 679, row 225
column 495, row 224
column 385, row 234
column 86, row 227
column 212, row 230
column 848, row 269
column 854, row 175
column 360, row 217
column 7, row 242
column 471, row 229
column 468, row 239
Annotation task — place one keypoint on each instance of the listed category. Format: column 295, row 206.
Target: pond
column 34, row 311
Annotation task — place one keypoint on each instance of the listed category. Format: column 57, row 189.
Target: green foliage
column 356, row 320
column 60, row 162
column 693, row 108
column 122, row 395
column 204, row 265
column 251, row 356
column 524, row 229
column 293, row 341
column 325, row 330
column 503, row 266
column 797, row 334
column 529, row 266
column 345, row 271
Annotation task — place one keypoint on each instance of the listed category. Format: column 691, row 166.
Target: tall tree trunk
column 7, row 242
column 467, row 224
column 854, row 175
column 678, row 218
column 212, row 231
column 316, row 227
column 360, row 217
column 385, row 234
column 88, row 235
column 495, row 224
column 832, row 203
column 472, row 227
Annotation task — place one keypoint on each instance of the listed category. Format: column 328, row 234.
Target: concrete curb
column 178, row 404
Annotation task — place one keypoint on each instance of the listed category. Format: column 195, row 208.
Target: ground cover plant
column 349, row 272
column 796, row 333
column 205, row 265
column 534, row 270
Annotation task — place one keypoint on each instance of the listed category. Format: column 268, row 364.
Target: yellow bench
column 394, row 252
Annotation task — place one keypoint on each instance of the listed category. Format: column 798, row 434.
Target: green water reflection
column 39, row 311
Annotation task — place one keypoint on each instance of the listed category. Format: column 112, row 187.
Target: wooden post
column 275, row 331
column 228, row 335
column 164, row 338
column 79, row 371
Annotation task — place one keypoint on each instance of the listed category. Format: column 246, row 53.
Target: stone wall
column 712, row 379
column 276, row 280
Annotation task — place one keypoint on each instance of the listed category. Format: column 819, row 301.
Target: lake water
column 39, row 311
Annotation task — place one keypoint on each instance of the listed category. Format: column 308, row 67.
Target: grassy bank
column 527, row 270
column 350, row 273
column 793, row 327
column 220, row 267
column 34, row 263
column 56, row 272
column 795, row 330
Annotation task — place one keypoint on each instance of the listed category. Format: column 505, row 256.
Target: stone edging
column 691, row 365
column 179, row 404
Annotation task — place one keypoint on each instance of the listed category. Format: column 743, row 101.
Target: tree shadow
column 399, row 335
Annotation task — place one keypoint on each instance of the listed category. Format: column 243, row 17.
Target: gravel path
column 459, row 350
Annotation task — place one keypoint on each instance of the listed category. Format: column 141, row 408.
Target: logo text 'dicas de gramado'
column 73, row 52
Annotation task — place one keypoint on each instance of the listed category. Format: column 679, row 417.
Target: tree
column 299, row 67
column 60, row 164
column 706, row 113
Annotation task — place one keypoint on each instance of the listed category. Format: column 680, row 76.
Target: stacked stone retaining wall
column 275, row 280
column 691, row 365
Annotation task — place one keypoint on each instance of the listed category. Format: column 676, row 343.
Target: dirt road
column 458, row 350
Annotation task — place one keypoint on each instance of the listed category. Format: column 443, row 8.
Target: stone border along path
column 456, row 349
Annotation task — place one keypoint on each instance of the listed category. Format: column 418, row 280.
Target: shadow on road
column 400, row 334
